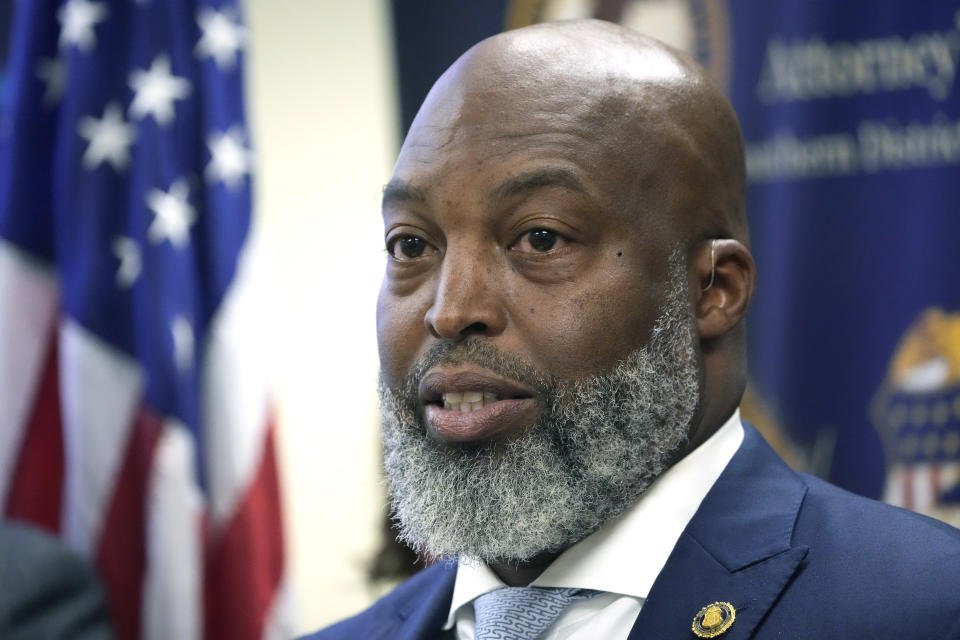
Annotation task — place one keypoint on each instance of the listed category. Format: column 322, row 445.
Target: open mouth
column 468, row 389
column 464, row 404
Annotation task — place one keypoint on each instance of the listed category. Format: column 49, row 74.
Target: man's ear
column 725, row 275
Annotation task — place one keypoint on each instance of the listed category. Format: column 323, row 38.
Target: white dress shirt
column 622, row 559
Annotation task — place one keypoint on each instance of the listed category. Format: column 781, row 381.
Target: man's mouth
column 465, row 404
column 467, row 401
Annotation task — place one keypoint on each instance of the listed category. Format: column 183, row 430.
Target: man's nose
column 468, row 300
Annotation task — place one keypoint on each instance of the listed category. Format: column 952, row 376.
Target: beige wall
column 322, row 113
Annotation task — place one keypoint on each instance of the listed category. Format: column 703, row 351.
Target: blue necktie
column 521, row 613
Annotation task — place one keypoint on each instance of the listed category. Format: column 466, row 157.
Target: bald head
column 637, row 98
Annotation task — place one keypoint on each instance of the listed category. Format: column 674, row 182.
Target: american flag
column 134, row 415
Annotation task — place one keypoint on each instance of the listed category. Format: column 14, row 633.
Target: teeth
column 467, row 400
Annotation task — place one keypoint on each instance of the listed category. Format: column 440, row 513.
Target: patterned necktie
column 521, row 613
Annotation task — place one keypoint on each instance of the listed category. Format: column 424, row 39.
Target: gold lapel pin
column 714, row 619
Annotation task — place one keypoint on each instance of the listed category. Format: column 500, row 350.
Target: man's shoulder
column 833, row 517
column 863, row 551
column 870, row 565
column 430, row 588
column 824, row 516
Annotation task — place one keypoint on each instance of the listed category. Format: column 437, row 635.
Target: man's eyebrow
column 537, row 179
column 397, row 191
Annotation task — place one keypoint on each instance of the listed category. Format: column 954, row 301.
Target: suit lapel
column 736, row 549
column 422, row 615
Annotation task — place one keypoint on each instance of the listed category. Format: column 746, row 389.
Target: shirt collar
column 626, row 554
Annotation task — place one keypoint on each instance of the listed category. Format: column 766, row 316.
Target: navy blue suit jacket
column 798, row 558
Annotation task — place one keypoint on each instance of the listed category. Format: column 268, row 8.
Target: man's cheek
column 399, row 345
column 574, row 349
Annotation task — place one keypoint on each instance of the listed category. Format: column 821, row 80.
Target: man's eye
column 407, row 247
column 538, row 241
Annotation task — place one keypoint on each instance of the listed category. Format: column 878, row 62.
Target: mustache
column 479, row 353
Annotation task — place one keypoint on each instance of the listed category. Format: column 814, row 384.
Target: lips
column 468, row 404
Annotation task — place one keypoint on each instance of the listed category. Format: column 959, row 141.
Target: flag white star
column 77, row 20
column 182, row 343
column 110, row 139
column 54, row 75
column 222, row 38
column 156, row 89
column 172, row 214
column 127, row 252
column 230, row 159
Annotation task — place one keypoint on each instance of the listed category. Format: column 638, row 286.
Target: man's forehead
column 603, row 155
column 491, row 157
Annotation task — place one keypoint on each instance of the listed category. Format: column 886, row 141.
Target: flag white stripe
column 922, row 487
column 28, row 313
column 282, row 613
column 173, row 587
column 100, row 393
column 234, row 387
column 894, row 492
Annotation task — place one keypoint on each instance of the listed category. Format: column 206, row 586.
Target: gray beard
column 598, row 446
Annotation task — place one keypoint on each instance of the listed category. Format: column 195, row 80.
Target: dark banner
column 851, row 115
column 429, row 35
column 5, row 10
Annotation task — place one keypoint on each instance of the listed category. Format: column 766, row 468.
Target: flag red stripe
column 935, row 482
column 907, row 489
column 36, row 488
column 245, row 561
column 121, row 554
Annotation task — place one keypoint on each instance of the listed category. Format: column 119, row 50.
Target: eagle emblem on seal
column 917, row 413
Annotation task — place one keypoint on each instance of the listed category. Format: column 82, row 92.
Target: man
column 562, row 351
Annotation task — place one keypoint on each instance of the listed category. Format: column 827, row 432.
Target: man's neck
column 515, row 574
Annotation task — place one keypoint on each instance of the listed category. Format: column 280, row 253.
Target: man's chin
column 467, row 504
